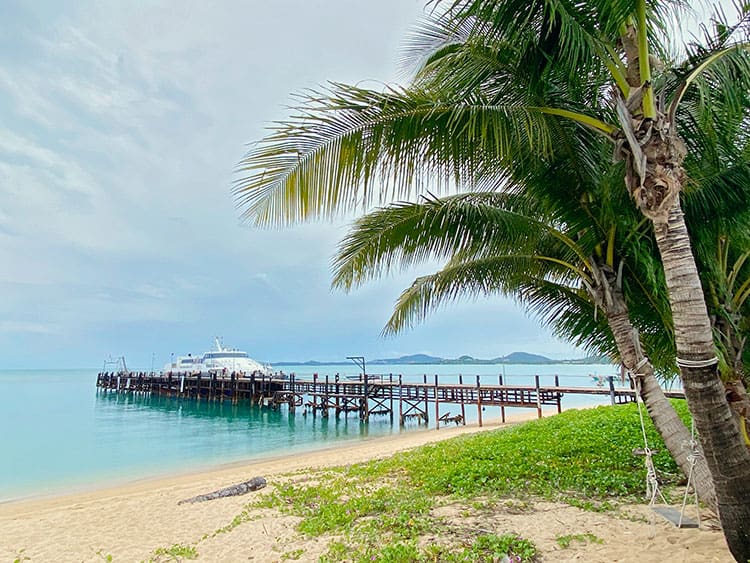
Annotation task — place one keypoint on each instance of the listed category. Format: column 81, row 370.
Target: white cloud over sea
column 120, row 126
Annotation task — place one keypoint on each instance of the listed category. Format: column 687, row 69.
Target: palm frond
column 472, row 225
column 353, row 148
column 563, row 307
column 496, row 275
column 435, row 35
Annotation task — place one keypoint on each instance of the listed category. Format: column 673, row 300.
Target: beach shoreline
column 339, row 453
column 129, row 521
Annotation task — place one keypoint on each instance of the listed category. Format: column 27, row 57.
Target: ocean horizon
column 62, row 434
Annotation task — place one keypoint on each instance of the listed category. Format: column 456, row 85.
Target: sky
column 121, row 125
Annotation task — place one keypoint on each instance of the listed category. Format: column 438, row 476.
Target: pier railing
column 368, row 396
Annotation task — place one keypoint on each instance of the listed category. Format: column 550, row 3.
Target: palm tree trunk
column 727, row 457
column 654, row 176
column 676, row 436
column 606, row 293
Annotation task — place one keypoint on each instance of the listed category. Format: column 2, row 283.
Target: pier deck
column 368, row 397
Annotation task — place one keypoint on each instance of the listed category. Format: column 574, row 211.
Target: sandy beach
column 128, row 522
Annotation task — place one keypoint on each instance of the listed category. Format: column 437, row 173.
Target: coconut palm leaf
column 473, row 224
column 351, row 148
column 496, row 275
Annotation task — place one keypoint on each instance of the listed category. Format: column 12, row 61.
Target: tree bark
column 727, row 457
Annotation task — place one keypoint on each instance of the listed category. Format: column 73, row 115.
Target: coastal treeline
column 588, row 160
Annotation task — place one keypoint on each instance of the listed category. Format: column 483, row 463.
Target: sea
column 61, row 435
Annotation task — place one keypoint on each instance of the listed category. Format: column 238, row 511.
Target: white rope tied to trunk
column 697, row 363
column 692, row 457
column 639, row 365
column 653, row 492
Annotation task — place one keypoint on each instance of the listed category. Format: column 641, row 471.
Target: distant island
column 424, row 359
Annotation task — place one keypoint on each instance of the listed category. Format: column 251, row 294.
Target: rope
column 639, row 365
column 697, row 363
column 692, row 458
column 652, row 482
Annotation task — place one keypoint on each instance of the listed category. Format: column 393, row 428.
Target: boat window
column 217, row 355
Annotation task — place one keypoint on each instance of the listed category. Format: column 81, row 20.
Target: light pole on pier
column 360, row 361
column 364, row 408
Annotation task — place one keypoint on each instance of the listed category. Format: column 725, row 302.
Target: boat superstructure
column 221, row 360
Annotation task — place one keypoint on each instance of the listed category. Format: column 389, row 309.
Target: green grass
column 485, row 547
column 379, row 511
column 176, row 552
column 292, row 555
column 585, row 454
column 565, row 541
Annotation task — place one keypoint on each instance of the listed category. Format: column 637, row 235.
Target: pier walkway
column 369, row 396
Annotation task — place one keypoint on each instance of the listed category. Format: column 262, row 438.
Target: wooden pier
column 370, row 396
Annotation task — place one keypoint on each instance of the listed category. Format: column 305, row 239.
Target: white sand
column 129, row 522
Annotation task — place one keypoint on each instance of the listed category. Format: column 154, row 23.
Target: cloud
column 122, row 126
column 28, row 327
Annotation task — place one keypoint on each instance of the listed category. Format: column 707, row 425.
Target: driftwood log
column 458, row 419
column 235, row 490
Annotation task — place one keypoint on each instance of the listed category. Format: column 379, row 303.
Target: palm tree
column 719, row 154
column 494, row 246
column 727, row 281
column 498, row 97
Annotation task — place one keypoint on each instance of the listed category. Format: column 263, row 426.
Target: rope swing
column 653, row 491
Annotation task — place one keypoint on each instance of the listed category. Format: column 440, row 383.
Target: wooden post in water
column 315, row 394
column 463, row 406
column 292, row 396
column 437, row 405
column 390, row 389
column 400, row 399
column 338, row 399
column 612, row 389
column 324, row 401
column 253, row 390
column 479, row 402
column 426, row 403
column 538, row 398
column 559, row 402
column 197, row 387
column 365, row 406
column 502, row 399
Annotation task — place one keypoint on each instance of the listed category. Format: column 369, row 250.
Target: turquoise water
column 60, row 434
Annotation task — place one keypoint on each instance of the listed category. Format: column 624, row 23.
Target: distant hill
column 412, row 359
column 590, row 360
column 525, row 358
column 424, row 359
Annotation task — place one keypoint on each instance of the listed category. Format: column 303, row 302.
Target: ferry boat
column 221, row 360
